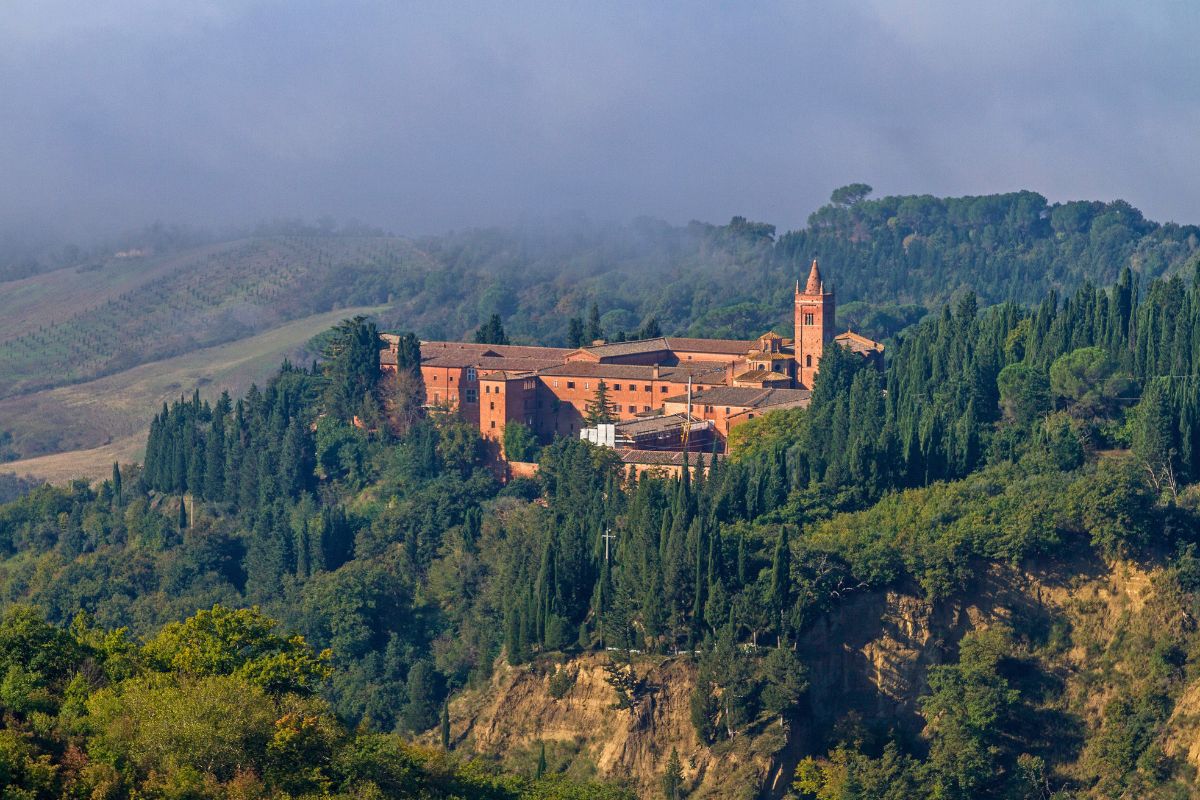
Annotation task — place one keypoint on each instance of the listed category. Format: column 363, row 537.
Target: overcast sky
column 420, row 117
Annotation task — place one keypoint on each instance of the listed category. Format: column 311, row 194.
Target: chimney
column 656, row 373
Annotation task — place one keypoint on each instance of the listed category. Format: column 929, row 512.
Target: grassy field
column 82, row 427
column 91, row 465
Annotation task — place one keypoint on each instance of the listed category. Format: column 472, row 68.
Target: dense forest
column 890, row 261
column 994, row 436
column 1062, row 431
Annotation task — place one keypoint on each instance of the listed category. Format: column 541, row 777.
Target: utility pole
column 687, row 417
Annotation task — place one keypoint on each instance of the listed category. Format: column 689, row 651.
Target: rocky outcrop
column 870, row 656
column 518, row 710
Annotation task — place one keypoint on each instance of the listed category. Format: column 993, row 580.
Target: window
column 616, row 387
column 808, row 319
column 470, row 374
column 493, row 423
column 645, row 408
column 662, row 388
column 749, row 416
column 570, row 384
column 452, row 379
column 648, row 388
column 491, row 406
column 436, row 397
column 556, row 384
column 633, row 409
column 808, row 361
column 471, row 395
column 587, row 385
column 727, row 411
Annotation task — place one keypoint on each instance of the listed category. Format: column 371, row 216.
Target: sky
column 423, row 117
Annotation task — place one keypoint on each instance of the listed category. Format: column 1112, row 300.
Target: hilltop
column 890, row 260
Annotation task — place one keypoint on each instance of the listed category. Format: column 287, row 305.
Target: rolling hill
column 891, row 259
column 77, row 324
column 80, row 429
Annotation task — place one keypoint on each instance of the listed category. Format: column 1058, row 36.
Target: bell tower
column 814, row 325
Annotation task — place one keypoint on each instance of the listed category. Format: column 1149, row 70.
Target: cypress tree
column 446, row 724
column 593, row 331
column 781, row 580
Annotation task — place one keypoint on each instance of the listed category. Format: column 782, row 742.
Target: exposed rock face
column 518, row 710
column 870, row 656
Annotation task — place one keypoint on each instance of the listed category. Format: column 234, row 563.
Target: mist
column 423, row 117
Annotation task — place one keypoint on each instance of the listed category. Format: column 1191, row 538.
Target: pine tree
column 650, row 330
column 351, row 365
column 541, row 763
column 600, row 410
column 491, row 332
column 575, row 333
column 672, row 782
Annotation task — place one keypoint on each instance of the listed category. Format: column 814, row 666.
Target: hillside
column 81, row 323
column 891, row 261
column 972, row 574
column 116, row 408
column 870, row 663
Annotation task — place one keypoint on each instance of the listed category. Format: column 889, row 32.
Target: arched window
column 808, row 361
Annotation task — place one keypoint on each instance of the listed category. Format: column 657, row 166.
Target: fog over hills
column 418, row 119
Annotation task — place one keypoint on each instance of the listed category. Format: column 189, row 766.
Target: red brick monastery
column 647, row 381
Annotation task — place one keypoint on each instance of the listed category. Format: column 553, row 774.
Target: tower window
column 808, row 319
column 808, row 361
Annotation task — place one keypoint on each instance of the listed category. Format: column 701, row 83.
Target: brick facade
column 549, row 388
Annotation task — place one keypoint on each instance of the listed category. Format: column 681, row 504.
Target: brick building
column 549, row 388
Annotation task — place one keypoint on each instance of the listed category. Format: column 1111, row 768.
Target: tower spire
column 815, row 285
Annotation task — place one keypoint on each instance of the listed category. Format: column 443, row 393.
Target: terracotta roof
column 730, row 347
column 760, row 355
column 456, row 360
column 760, row 376
column 665, row 458
column 745, row 397
column 508, row 375
column 626, row 348
column 432, row 349
column 706, row 371
column 858, row 343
